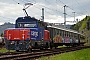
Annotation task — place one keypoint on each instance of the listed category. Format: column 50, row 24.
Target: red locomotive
column 28, row 33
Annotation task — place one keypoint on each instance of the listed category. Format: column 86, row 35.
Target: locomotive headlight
column 12, row 42
column 23, row 37
column 20, row 43
column 42, row 38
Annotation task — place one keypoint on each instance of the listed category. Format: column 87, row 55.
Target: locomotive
column 30, row 33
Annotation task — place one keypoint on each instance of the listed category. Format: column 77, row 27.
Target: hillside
column 82, row 27
column 5, row 26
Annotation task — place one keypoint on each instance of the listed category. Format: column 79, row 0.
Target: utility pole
column 42, row 14
column 74, row 16
column 65, row 16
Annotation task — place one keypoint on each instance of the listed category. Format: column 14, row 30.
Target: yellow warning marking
column 7, row 34
column 23, row 35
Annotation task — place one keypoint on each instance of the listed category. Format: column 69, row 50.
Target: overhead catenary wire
column 81, row 6
column 79, row 13
column 16, row 1
column 47, row 7
column 58, row 11
column 49, row 2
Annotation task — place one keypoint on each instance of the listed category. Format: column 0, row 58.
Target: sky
column 10, row 10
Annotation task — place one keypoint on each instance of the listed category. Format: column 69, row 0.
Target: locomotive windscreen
column 26, row 24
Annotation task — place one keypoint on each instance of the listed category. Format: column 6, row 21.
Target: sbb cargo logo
column 34, row 33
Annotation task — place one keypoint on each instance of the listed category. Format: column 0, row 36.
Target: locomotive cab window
column 42, row 24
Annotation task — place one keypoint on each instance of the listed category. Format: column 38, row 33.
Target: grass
column 76, row 55
column 5, row 50
column 61, row 46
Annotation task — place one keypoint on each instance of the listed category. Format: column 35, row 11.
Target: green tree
column 2, row 34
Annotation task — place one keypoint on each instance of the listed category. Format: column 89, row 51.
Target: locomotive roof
column 26, row 19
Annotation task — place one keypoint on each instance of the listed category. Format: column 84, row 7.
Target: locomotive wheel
column 41, row 48
column 17, row 50
column 51, row 45
column 55, row 47
column 29, row 50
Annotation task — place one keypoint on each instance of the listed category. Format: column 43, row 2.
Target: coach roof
column 65, row 29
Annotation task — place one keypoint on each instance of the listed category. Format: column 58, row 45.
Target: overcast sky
column 10, row 10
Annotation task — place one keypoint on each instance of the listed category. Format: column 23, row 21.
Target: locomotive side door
column 41, row 29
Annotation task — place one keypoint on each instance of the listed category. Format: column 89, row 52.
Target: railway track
column 34, row 54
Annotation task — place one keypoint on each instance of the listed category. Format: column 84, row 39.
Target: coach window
column 62, row 33
column 66, row 34
column 72, row 35
column 53, row 32
column 59, row 32
column 69, row 34
column 56, row 30
column 76, row 36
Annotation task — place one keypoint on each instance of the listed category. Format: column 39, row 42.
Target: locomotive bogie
column 25, row 45
column 40, row 44
column 17, row 45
